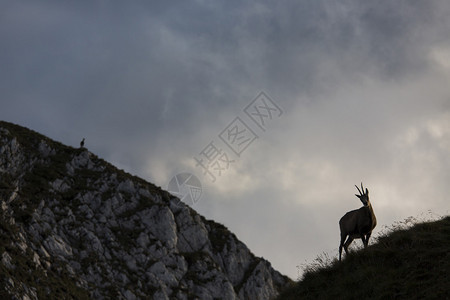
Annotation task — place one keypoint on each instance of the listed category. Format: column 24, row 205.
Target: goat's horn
column 362, row 189
column 359, row 190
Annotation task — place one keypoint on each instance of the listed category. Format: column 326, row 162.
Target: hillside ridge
column 73, row 226
column 411, row 263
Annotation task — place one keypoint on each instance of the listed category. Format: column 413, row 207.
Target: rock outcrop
column 73, row 226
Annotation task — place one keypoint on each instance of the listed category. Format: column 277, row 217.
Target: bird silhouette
column 82, row 143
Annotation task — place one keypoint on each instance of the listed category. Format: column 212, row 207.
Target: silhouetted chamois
column 357, row 223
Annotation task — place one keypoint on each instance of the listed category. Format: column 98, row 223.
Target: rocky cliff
column 73, row 226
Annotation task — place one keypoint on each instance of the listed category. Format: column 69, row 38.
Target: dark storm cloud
column 114, row 53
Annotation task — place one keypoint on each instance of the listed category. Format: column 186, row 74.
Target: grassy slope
column 405, row 264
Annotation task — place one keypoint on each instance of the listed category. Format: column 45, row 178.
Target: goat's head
column 363, row 196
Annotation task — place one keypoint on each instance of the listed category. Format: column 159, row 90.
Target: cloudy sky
column 362, row 87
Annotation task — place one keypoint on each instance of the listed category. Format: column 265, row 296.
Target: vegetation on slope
column 73, row 226
column 405, row 264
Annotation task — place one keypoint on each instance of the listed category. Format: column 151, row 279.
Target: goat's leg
column 363, row 239
column 347, row 243
column 343, row 236
column 366, row 242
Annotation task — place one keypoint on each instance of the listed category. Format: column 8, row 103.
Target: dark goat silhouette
column 357, row 223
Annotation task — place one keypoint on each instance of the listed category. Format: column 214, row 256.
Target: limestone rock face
column 73, row 226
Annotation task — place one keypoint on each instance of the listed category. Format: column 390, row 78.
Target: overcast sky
column 362, row 90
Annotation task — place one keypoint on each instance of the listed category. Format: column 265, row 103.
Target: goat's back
column 356, row 221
